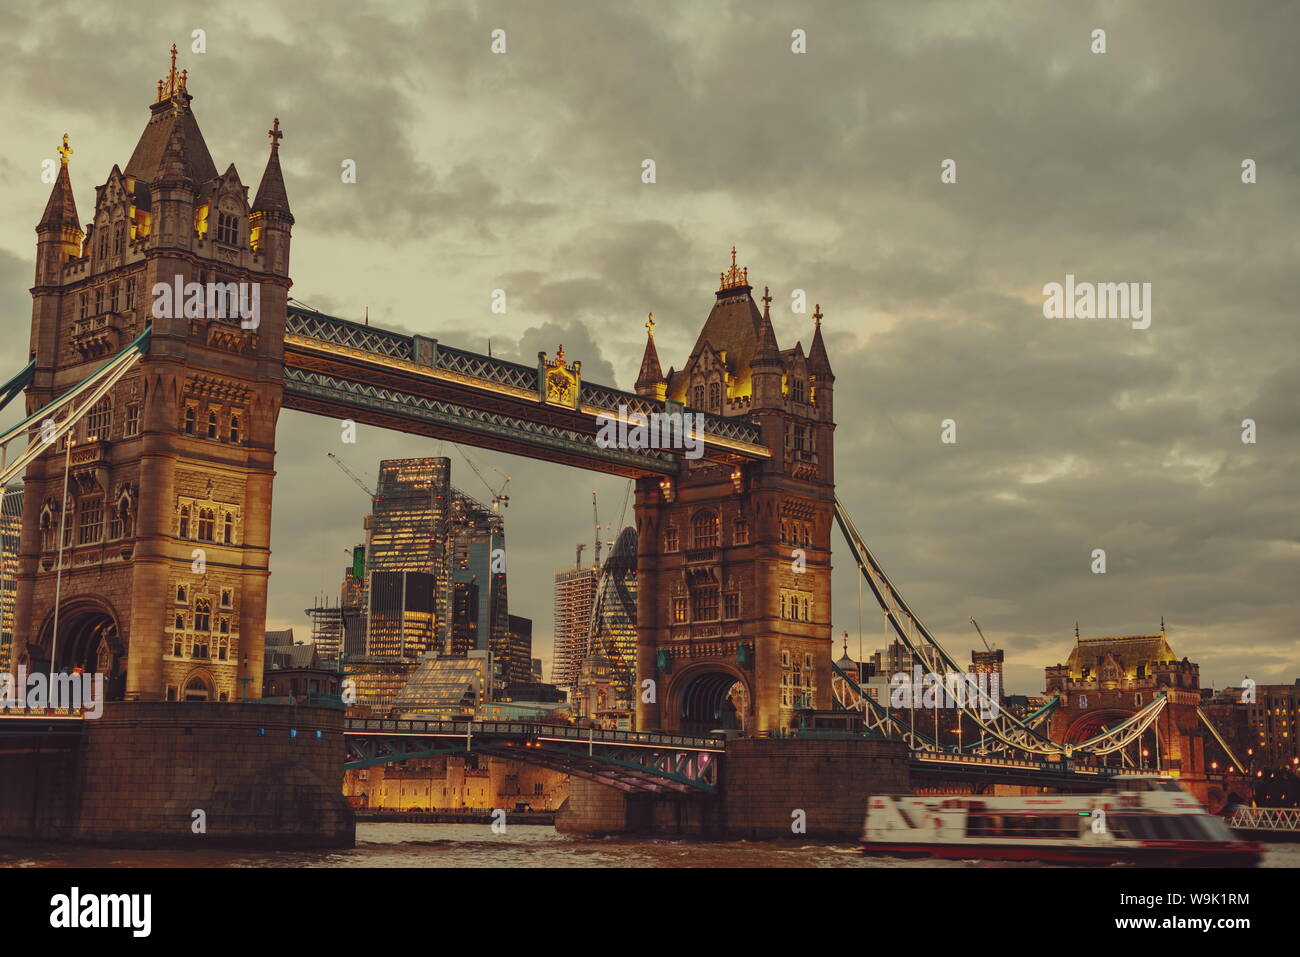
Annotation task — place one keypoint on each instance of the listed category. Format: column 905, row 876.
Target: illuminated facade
column 575, row 595
column 733, row 570
column 447, row 687
column 1105, row 680
column 11, row 530
column 406, row 587
column 177, row 460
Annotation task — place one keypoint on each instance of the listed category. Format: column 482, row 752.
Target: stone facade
column 733, row 568
column 167, row 525
column 765, row 782
column 185, row 774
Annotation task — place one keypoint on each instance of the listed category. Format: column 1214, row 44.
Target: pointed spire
column 818, row 360
column 1076, row 631
column 271, row 194
column 650, row 381
column 767, row 353
column 61, row 210
column 1162, row 624
column 172, row 168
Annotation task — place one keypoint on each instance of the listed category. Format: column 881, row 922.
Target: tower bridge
column 145, row 550
column 149, row 463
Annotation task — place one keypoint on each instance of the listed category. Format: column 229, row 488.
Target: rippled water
column 475, row 845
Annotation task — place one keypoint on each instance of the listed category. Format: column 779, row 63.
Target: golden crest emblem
column 562, row 379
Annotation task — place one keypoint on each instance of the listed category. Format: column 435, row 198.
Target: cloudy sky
column 522, row 171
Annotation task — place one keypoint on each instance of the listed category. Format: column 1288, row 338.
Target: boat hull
column 1149, row 854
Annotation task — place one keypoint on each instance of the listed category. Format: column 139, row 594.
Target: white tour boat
column 1145, row 820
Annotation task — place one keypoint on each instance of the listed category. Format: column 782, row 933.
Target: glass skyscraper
column 612, row 632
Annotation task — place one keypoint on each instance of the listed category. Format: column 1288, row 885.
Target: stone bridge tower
column 166, row 528
column 1106, row 680
column 734, row 564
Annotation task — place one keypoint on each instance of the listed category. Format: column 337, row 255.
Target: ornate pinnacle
column 734, row 276
column 650, row 326
column 817, row 315
column 275, row 134
column 767, row 299
column 174, row 82
column 65, row 150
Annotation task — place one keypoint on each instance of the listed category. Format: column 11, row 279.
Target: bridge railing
column 344, row 332
column 521, row 729
column 1266, row 818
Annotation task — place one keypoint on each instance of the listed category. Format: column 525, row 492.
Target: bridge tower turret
column 163, row 564
column 734, row 609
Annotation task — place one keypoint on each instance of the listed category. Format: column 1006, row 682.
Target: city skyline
column 1070, row 435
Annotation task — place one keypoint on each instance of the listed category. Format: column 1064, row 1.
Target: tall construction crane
column 987, row 646
column 499, row 496
column 350, row 474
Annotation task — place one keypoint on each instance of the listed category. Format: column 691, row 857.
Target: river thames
column 475, row 845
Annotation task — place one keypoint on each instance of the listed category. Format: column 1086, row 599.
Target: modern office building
column 612, row 631
column 519, row 653
column 447, row 687
column 464, row 619
column 575, row 596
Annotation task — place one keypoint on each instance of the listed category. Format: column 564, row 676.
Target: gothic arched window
column 180, row 594
column 180, row 622
column 203, row 615
column 715, row 397
column 699, row 397
column 212, row 425
column 207, row 524
column 185, row 533
column 228, row 531
column 196, row 689
column 189, row 420
column 234, row 429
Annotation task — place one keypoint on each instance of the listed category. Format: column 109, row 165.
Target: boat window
column 1214, row 828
